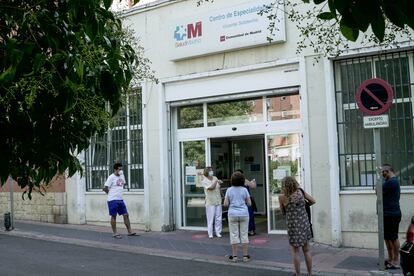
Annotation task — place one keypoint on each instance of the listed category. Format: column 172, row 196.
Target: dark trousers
column 252, row 224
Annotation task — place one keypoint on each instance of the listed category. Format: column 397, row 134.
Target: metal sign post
column 374, row 97
column 11, row 203
column 380, row 210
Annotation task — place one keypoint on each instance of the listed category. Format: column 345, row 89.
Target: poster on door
column 199, row 178
column 190, row 175
column 281, row 172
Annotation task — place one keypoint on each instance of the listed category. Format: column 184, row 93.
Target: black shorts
column 391, row 225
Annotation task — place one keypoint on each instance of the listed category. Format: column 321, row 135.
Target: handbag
column 308, row 210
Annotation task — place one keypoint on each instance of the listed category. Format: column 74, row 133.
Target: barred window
column 356, row 149
column 121, row 143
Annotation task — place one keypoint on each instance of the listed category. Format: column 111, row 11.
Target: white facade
column 253, row 70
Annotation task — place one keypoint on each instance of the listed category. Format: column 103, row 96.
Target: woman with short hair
column 212, row 191
column 237, row 198
column 250, row 184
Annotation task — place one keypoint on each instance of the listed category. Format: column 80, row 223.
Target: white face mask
column 121, row 172
column 210, row 173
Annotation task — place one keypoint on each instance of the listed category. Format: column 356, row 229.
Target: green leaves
column 326, row 15
column 349, row 33
column 378, row 27
column 358, row 15
column 60, row 63
column 107, row 3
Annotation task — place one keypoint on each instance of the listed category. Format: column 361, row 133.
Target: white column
column 75, row 188
column 336, row 229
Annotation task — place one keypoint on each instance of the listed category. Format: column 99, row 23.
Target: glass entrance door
column 283, row 159
column 193, row 162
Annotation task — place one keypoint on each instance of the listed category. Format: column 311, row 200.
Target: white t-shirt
column 115, row 185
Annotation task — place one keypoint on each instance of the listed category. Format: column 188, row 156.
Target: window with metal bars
column 356, row 150
column 121, row 143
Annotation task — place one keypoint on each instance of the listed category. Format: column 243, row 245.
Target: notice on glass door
column 190, row 170
column 190, row 175
column 281, row 172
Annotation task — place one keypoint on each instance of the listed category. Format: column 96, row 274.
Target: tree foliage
column 328, row 35
column 61, row 63
column 329, row 26
column 354, row 16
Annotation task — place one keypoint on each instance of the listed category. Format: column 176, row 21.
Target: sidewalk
column 267, row 251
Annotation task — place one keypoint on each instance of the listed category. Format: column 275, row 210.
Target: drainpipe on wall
column 171, row 190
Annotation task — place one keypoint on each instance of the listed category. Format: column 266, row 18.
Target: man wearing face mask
column 211, row 187
column 114, row 187
column 392, row 215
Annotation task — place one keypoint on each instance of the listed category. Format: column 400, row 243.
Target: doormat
column 258, row 241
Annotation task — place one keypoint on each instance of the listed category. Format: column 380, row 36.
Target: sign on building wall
column 226, row 29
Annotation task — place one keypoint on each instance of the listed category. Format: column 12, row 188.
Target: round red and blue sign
column 374, row 96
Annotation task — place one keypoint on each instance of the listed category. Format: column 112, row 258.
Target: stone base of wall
column 48, row 208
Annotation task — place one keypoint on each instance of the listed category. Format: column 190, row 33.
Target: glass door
column 193, row 162
column 283, row 159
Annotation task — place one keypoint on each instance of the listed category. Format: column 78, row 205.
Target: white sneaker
column 210, row 237
column 218, row 235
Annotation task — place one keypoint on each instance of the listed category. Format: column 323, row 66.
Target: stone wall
column 51, row 207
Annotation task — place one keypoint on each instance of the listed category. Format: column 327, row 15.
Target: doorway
column 267, row 158
column 245, row 153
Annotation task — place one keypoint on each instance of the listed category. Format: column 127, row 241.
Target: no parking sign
column 374, row 97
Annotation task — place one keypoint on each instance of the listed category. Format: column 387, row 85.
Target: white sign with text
column 231, row 28
column 376, row 121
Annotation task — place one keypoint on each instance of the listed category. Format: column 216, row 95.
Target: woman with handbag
column 292, row 203
column 250, row 184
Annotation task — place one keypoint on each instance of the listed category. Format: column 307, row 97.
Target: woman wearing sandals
column 237, row 198
column 292, row 204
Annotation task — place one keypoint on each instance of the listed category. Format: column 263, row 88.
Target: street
column 25, row 256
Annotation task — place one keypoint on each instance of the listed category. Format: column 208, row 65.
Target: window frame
column 91, row 168
column 341, row 121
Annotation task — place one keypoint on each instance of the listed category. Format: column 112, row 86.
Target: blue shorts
column 117, row 206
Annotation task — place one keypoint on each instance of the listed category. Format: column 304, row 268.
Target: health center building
column 230, row 99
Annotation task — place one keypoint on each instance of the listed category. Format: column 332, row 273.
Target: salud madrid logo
column 188, row 35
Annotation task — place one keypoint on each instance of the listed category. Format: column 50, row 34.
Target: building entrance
column 247, row 154
column 267, row 158
column 259, row 134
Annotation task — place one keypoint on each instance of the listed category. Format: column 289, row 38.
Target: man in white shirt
column 114, row 187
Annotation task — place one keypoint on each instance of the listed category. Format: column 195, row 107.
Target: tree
column 61, row 63
column 355, row 16
column 328, row 26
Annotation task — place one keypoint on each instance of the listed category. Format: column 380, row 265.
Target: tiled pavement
column 267, row 251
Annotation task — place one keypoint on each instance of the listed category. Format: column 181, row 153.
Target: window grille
column 121, row 143
column 356, row 150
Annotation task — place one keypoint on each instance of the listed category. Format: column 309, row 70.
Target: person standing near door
column 237, row 199
column 212, row 191
column 250, row 184
column 292, row 205
column 392, row 215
